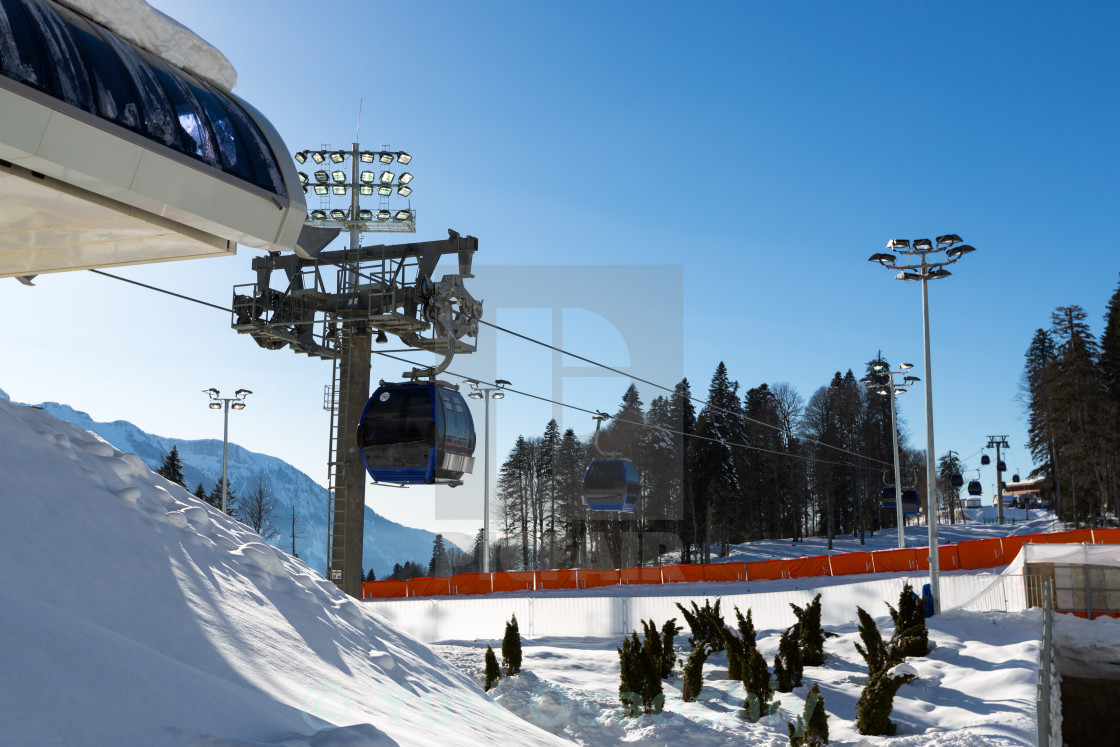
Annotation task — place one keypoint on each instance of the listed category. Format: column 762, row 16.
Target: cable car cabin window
column 70, row 80
column 155, row 109
column 21, row 58
column 604, row 480
column 195, row 137
column 266, row 172
column 229, row 145
column 458, row 425
column 399, row 431
column 113, row 95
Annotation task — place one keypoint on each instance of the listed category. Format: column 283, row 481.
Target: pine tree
column 788, row 666
column 668, row 633
column 439, row 565
column 810, row 634
column 511, row 648
column 371, row 576
column 1037, row 387
column 910, row 636
column 215, row 499
column 631, row 677
column 717, row 487
column 493, row 672
column 811, row 729
column 172, row 468
column 873, row 709
column 756, row 681
column 200, row 493
column 699, row 620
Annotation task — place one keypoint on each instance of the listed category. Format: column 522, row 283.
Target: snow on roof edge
column 161, row 35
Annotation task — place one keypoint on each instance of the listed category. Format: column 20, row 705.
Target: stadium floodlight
column 386, row 177
column 367, row 177
column 405, row 178
column 384, row 215
column 339, row 176
column 303, row 178
column 403, row 215
column 317, row 156
column 385, row 157
column 318, row 215
column 923, row 245
column 320, row 189
column 338, row 214
column 365, row 189
column 322, row 177
column 337, row 156
column 959, row 251
column 947, row 240
column 403, row 158
column 384, row 190
column 898, row 244
column 301, row 157
column 367, row 157
column 365, row 214
column 339, row 189
column 404, row 190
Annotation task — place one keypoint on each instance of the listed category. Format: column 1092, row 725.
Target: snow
column 142, row 616
column 162, row 35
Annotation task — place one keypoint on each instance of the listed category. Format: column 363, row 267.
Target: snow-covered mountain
column 386, row 542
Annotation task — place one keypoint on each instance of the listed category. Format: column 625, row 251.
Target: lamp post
column 924, row 264
column 882, row 382
column 486, row 394
column 237, row 401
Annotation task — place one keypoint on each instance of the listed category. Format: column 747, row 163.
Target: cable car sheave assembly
column 417, row 431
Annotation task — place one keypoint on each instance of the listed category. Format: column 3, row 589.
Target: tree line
column 1071, row 394
column 759, row 464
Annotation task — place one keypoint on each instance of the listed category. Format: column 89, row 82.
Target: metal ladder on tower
column 334, row 400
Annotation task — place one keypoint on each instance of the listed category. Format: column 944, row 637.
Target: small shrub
column 699, row 621
column 910, row 634
column 639, row 687
column 511, row 648
column 693, row 677
column 756, row 680
column 875, row 652
column 668, row 633
column 811, row 729
column 493, row 672
column 746, row 628
column 873, row 709
column 810, row 635
column 788, row 665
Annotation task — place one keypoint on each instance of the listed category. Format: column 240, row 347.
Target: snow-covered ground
column 132, row 614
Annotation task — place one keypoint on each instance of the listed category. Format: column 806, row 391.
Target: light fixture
column 905, row 366
column 366, row 157
column 321, row 176
column 498, row 395
column 898, row 244
column 301, row 157
column 923, row 245
column 405, row 178
column 364, row 214
column 317, row 156
column 320, row 189
column 882, row 258
column 384, row 215
column 911, row 276
column 381, row 339
column 303, row 178
column 475, row 395
column 948, row 240
column 403, row 158
column 338, row 176
column 404, row 190
column 318, row 215
column 215, row 405
column 385, row 157
column 338, row 214
column 403, row 215
column 386, row 177
column 366, row 177
column 337, row 156
column 940, row 272
column 242, row 392
column 238, row 405
column 384, row 190
column 339, row 189
column 910, row 379
column 211, row 391
column 365, row 189
column 959, row 251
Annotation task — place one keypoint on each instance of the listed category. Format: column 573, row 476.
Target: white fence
column 542, row 614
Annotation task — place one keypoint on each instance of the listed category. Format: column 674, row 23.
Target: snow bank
column 132, row 613
column 162, row 35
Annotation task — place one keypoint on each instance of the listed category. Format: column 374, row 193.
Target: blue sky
column 763, row 150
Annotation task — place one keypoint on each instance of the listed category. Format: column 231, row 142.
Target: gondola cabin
column 887, row 497
column 417, row 434
column 909, row 501
column 611, row 485
column 974, row 488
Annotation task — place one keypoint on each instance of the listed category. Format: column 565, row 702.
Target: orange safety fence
column 671, row 574
column 851, row 562
column 428, row 587
column 471, row 583
column 895, row 561
column 759, row 570
column 590, row 578
column 1072, row 536
column 816, row 565
column 725, row 572
column 561, row 579
column 383, row 589
column 644, row 575
column 984, row 553
column 513, row 580
column 1106, row 536
column 947, row 558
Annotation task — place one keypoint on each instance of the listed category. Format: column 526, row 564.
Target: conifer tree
column 788, row 665
column 215, row 499
column 811, row 729
column 172, row 467
column 668, row 633
column 873, row 709
column 631, row 677
column 810, row 634
column 910, row 635
column 700, row 621
column 371, row 576
column 200, row 493
column 493, row 672
column 439, row 565
column 511, row 647
column 756, row 681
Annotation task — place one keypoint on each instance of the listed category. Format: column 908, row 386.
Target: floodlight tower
column 921, row 263
column 351, row 371
column 883, row 382
column 237, row 401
